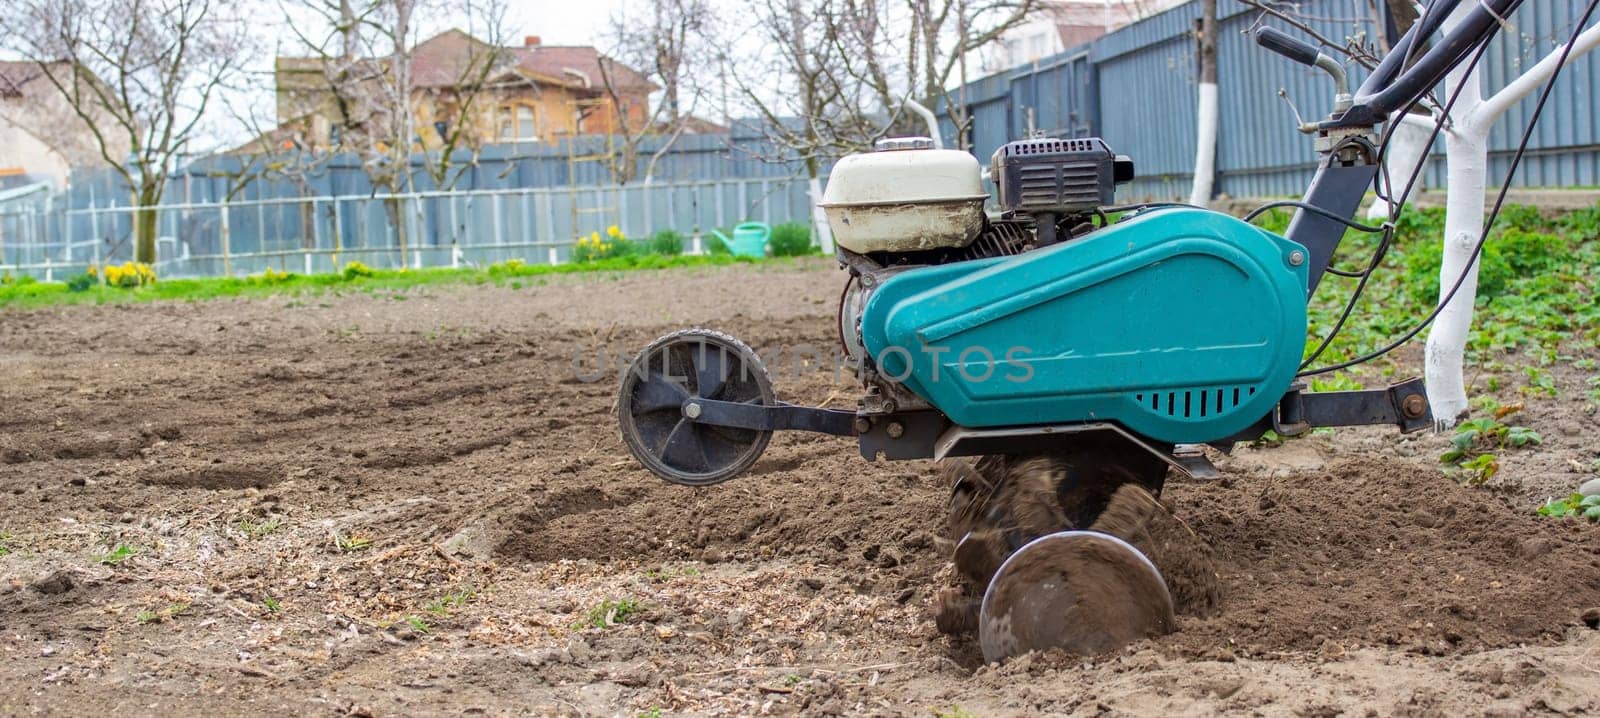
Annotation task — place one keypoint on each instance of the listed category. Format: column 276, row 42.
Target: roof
column 15, row 76
column 453, row 57
column 579, row 64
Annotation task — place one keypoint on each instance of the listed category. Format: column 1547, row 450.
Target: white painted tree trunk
column 1466, row 151
column 818, row 218
column 1407, row 146
column 1205, row 152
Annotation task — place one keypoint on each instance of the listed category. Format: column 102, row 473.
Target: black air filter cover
column 1061, row 176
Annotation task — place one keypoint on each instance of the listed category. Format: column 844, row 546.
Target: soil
column 414, row 503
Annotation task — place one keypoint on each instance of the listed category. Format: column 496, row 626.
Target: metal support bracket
column 1404, row 405
column 777, row 417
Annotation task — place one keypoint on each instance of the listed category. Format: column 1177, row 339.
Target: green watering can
column 748, row 240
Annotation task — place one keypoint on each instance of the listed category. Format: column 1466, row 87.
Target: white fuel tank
column 905, row 197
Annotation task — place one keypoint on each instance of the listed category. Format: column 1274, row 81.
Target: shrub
column 715, row 246
column 594, row 247
column 82, row 282
column 353, row 270
column 128, row 275
column 666, row 242
column 791, row 239
column 269, row 277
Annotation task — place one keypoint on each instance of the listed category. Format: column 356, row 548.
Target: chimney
column 530, row 41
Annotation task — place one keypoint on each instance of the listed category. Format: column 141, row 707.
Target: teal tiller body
column 1183, row 325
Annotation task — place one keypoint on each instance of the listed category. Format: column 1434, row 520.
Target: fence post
column 227, row 263
column 316, row 235
column 337, row 234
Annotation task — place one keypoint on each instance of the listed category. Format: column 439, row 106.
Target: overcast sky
column 561, row 22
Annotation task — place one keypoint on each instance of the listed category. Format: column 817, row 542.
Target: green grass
column 43, row 294
column 121, row 553
column 1536, row 296
column 608, row 614
column 7, row 543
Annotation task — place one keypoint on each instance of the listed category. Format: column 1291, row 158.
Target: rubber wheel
column 684, row 365
column 1085, row 592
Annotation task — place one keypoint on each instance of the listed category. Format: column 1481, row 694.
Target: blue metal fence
column 1136, row 87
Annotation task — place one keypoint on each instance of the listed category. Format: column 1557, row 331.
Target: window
column 517, row 124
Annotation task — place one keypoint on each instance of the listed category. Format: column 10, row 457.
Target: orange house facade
column 532, row 93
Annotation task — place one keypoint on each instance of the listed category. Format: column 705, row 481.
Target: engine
column 1181, row 324
column 908, row 205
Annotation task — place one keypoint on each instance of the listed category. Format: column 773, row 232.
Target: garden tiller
column 1119, row 341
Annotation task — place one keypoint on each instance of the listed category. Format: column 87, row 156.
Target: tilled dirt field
column 415, row 504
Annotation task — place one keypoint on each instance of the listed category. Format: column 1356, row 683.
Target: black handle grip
column 1277, row 41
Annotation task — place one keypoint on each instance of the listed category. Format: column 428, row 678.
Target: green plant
column 442, row 606
column 351, row 542
column 257, row 529
column 608, row 614
column 595, row 247
column 417, row 623
column 666, row 242
column 1540, row 382
column 1475, row 441
column 82, row 282
column 6, row 547
column 271, row 277
column 791, row 239
column 1575, row 506
column 272, row 604
column 952, row 712
column 167, row 613
column 355, row 270
column 1337, row 381
column 120, row 553
column 654, row 712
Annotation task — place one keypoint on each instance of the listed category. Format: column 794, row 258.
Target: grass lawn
column 25, row 293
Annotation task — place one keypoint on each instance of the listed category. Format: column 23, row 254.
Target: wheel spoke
column 711, row 370
column 683, row 448
column 656, row 392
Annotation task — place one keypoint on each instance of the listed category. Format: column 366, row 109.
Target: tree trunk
column 1407, row 146
column 819, row 219
column 145, row 225
column 1205, row 151
column 1467, row 152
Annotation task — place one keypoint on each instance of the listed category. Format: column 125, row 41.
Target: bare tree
column 834, row 74
column 364, row 83
column 671, row 49
column 139, row 74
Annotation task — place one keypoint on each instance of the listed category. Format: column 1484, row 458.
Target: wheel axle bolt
column 863, row 425
column 896, row 429
column 691, row 410
column 1297, row 258
column 1414, row 406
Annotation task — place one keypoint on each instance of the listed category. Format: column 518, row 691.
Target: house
column 1060, row 25
column 527, row 93
column 41, row 137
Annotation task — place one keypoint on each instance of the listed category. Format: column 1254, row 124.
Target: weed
column 1540, row 382
column 257, row 529
column 6, row 545
column 1338, row 381
column 169, row 612
column 667, row 573
column 351, row 542
column 654, row 712
column 1475, row 441
column 121, row 553
column 791, row 679
column 1575, row 506
column 441, row 606
column 417, row 623
column 953, row 712
column 608, row 614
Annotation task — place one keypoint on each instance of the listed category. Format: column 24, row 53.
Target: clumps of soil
column 1379, row 553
